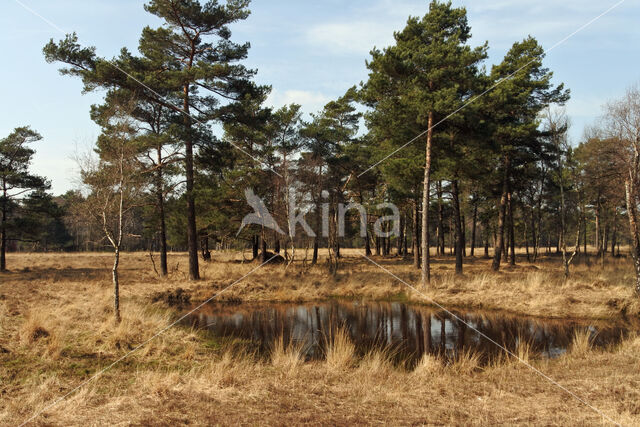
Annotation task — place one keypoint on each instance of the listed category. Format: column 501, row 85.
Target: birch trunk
column 631, row 197
column 116, row 285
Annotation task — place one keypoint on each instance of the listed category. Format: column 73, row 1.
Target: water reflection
column 404, row 330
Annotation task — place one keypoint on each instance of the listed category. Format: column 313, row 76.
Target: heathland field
column 57, row 331
column 209, row 261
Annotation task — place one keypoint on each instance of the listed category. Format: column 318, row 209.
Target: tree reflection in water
column 405, row 331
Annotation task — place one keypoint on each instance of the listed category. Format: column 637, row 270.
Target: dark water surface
column 406, row 331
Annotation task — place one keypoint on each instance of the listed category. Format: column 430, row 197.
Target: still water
column 405, row 331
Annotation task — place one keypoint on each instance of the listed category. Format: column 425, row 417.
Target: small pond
column 406, row 331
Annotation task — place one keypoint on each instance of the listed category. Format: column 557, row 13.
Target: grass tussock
column 33, row 328
column 286, row 357
column 466, row 362
column 340, row 350
column 630, row 346
column 138, row 324
column 523, row 350
column 375, row 363
column 429, row 365
column 581, row 344
column 39, row 335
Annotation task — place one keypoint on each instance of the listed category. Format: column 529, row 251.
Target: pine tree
column 192, row 60
column 201, row 61
column 524, row 90
column 424, row 70
column 16, row 180
column 39, row 222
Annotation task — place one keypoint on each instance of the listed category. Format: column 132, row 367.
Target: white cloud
column 502, row 23
column 373, row 26
column 311, row 101
column 352, row 37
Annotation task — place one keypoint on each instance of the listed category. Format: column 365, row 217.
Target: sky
column 310, row 52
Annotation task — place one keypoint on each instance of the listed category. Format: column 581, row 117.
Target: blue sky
column 310, row 52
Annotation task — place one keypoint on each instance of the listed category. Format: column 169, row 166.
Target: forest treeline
column 475, row 156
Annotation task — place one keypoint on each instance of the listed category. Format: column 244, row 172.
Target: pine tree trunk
column 512, row 233
column 416, row 235
column 388, row 242
column 314, row 259
column 255, row 246
column 426, row 271
column 405, row 252
column 192, row 234
column 486, row 243
column 614, row 234
column 505, row 246
column 3, row 230
column 463, row 230
column 597, row 242
column 525, row 235
column 316, row 239
column 457, row 225
column 439, row 229
column 451, row 237
column 495, row 239
column 473, row 227
column 164, row 270
column 400, row 238
column 534, row 239
column 367, row 244
column 204, row 247
column 163, row 225
column 501, row 216
column 538, row 226
column 337, row 237
column 586, row 254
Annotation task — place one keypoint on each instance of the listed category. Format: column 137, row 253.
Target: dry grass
column 523, row 350
column 288, row 358
column 56, row 330
column 428, row 366
column 340, row 350
column 536, row 289
column 32, row 329
column 581, row 344
column 466, row 363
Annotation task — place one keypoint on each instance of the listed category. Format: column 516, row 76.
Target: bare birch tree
column 114, row 185
column 623, row 122
column 557, row 125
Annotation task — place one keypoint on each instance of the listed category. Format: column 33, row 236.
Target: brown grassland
column 56, row 331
